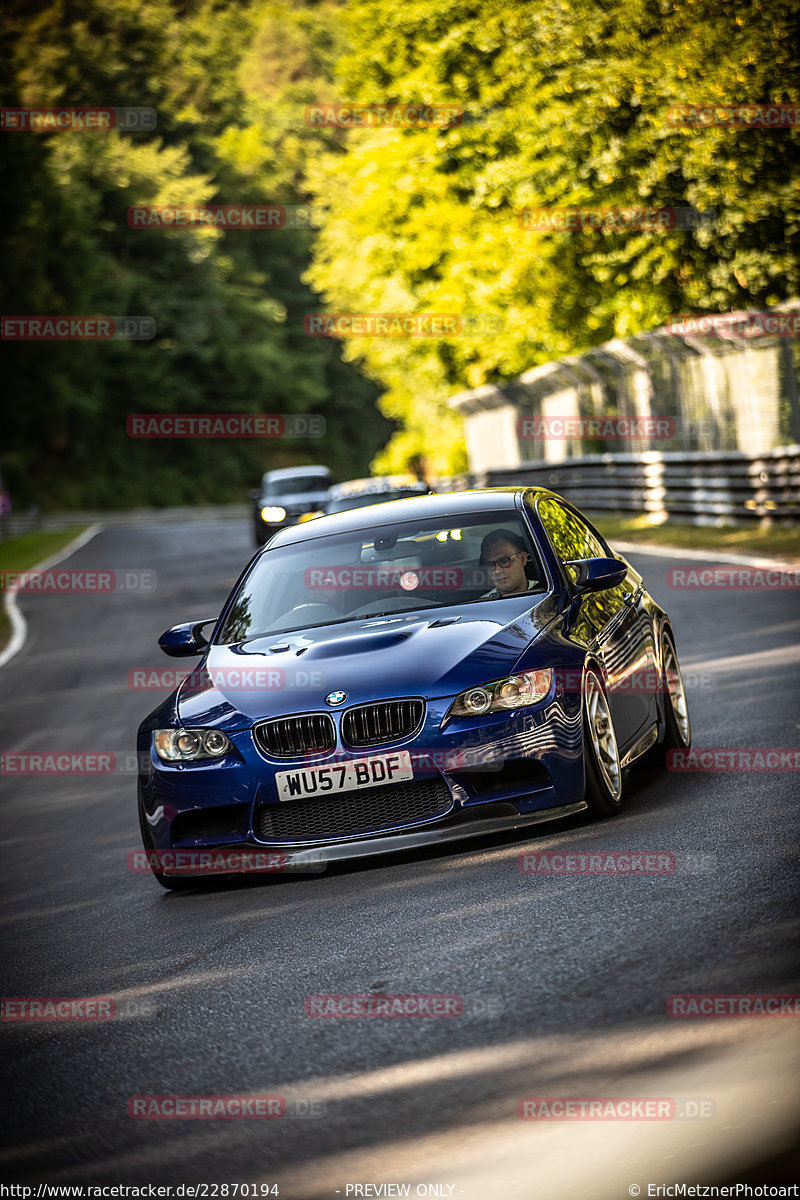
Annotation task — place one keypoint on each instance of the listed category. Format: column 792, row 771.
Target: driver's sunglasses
column 502, row 563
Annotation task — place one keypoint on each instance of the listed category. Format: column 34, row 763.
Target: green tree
column 228, row 305
column 563, row 105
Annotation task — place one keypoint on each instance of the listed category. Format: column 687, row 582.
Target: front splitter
column 314, row 858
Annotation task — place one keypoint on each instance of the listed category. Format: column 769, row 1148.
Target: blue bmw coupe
column 407, row 674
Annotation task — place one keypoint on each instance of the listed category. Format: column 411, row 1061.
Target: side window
column 571, row 538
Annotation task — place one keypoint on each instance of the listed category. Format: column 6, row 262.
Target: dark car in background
column 285, row 496
column 360, row 493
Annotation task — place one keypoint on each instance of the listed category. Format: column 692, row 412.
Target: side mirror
column 181, row 641
column 254, row 493
column 596, row 574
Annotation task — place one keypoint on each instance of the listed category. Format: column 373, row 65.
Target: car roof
column 439, row 504
column 289, row 472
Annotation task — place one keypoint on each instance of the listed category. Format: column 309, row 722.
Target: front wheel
column 172, row 883
column 603, row 792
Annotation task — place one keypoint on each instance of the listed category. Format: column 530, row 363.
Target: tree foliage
column 564, row 105
column 229, row 305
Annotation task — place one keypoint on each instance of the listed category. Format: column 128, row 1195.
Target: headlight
column 185, row 745
column 273, row 514
column 518, row 691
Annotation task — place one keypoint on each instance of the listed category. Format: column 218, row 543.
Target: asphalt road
column 567, row 977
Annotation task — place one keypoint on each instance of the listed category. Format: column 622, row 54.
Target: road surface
column 566, row 978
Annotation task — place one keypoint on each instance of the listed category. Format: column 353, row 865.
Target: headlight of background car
column 273, row 514
column 184, row 745
column 517, row 691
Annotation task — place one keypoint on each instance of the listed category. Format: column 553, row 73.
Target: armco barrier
column 695, row 488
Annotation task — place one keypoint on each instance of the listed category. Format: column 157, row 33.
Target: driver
column 504, row 556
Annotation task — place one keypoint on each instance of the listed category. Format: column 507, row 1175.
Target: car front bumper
column 500, row 773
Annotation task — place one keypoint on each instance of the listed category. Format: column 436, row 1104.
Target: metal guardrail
column 718, row 488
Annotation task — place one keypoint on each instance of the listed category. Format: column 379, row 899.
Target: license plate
column 351, row 776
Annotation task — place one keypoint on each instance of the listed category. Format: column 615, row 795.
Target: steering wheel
column 319, row 609
column 389, row 605
column 327, row 609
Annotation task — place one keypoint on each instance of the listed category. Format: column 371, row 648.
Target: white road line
column 19, row 626
column 740, row 560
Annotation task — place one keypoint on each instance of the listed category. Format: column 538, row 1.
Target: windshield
column 395, row 568
column 296, row 485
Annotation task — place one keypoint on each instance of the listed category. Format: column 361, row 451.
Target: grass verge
column 777, row 541
column 20, row 553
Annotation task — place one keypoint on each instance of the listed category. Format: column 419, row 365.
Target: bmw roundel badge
column 336, row 698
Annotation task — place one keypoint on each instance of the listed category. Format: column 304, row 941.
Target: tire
column 677, row 726
column 603, row 794
column 172, row 883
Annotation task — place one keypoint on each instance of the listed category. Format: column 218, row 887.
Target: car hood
column 434, row 656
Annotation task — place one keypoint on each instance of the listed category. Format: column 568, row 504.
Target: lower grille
column 385, row 721
column 349, row 814
column 288, row 737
